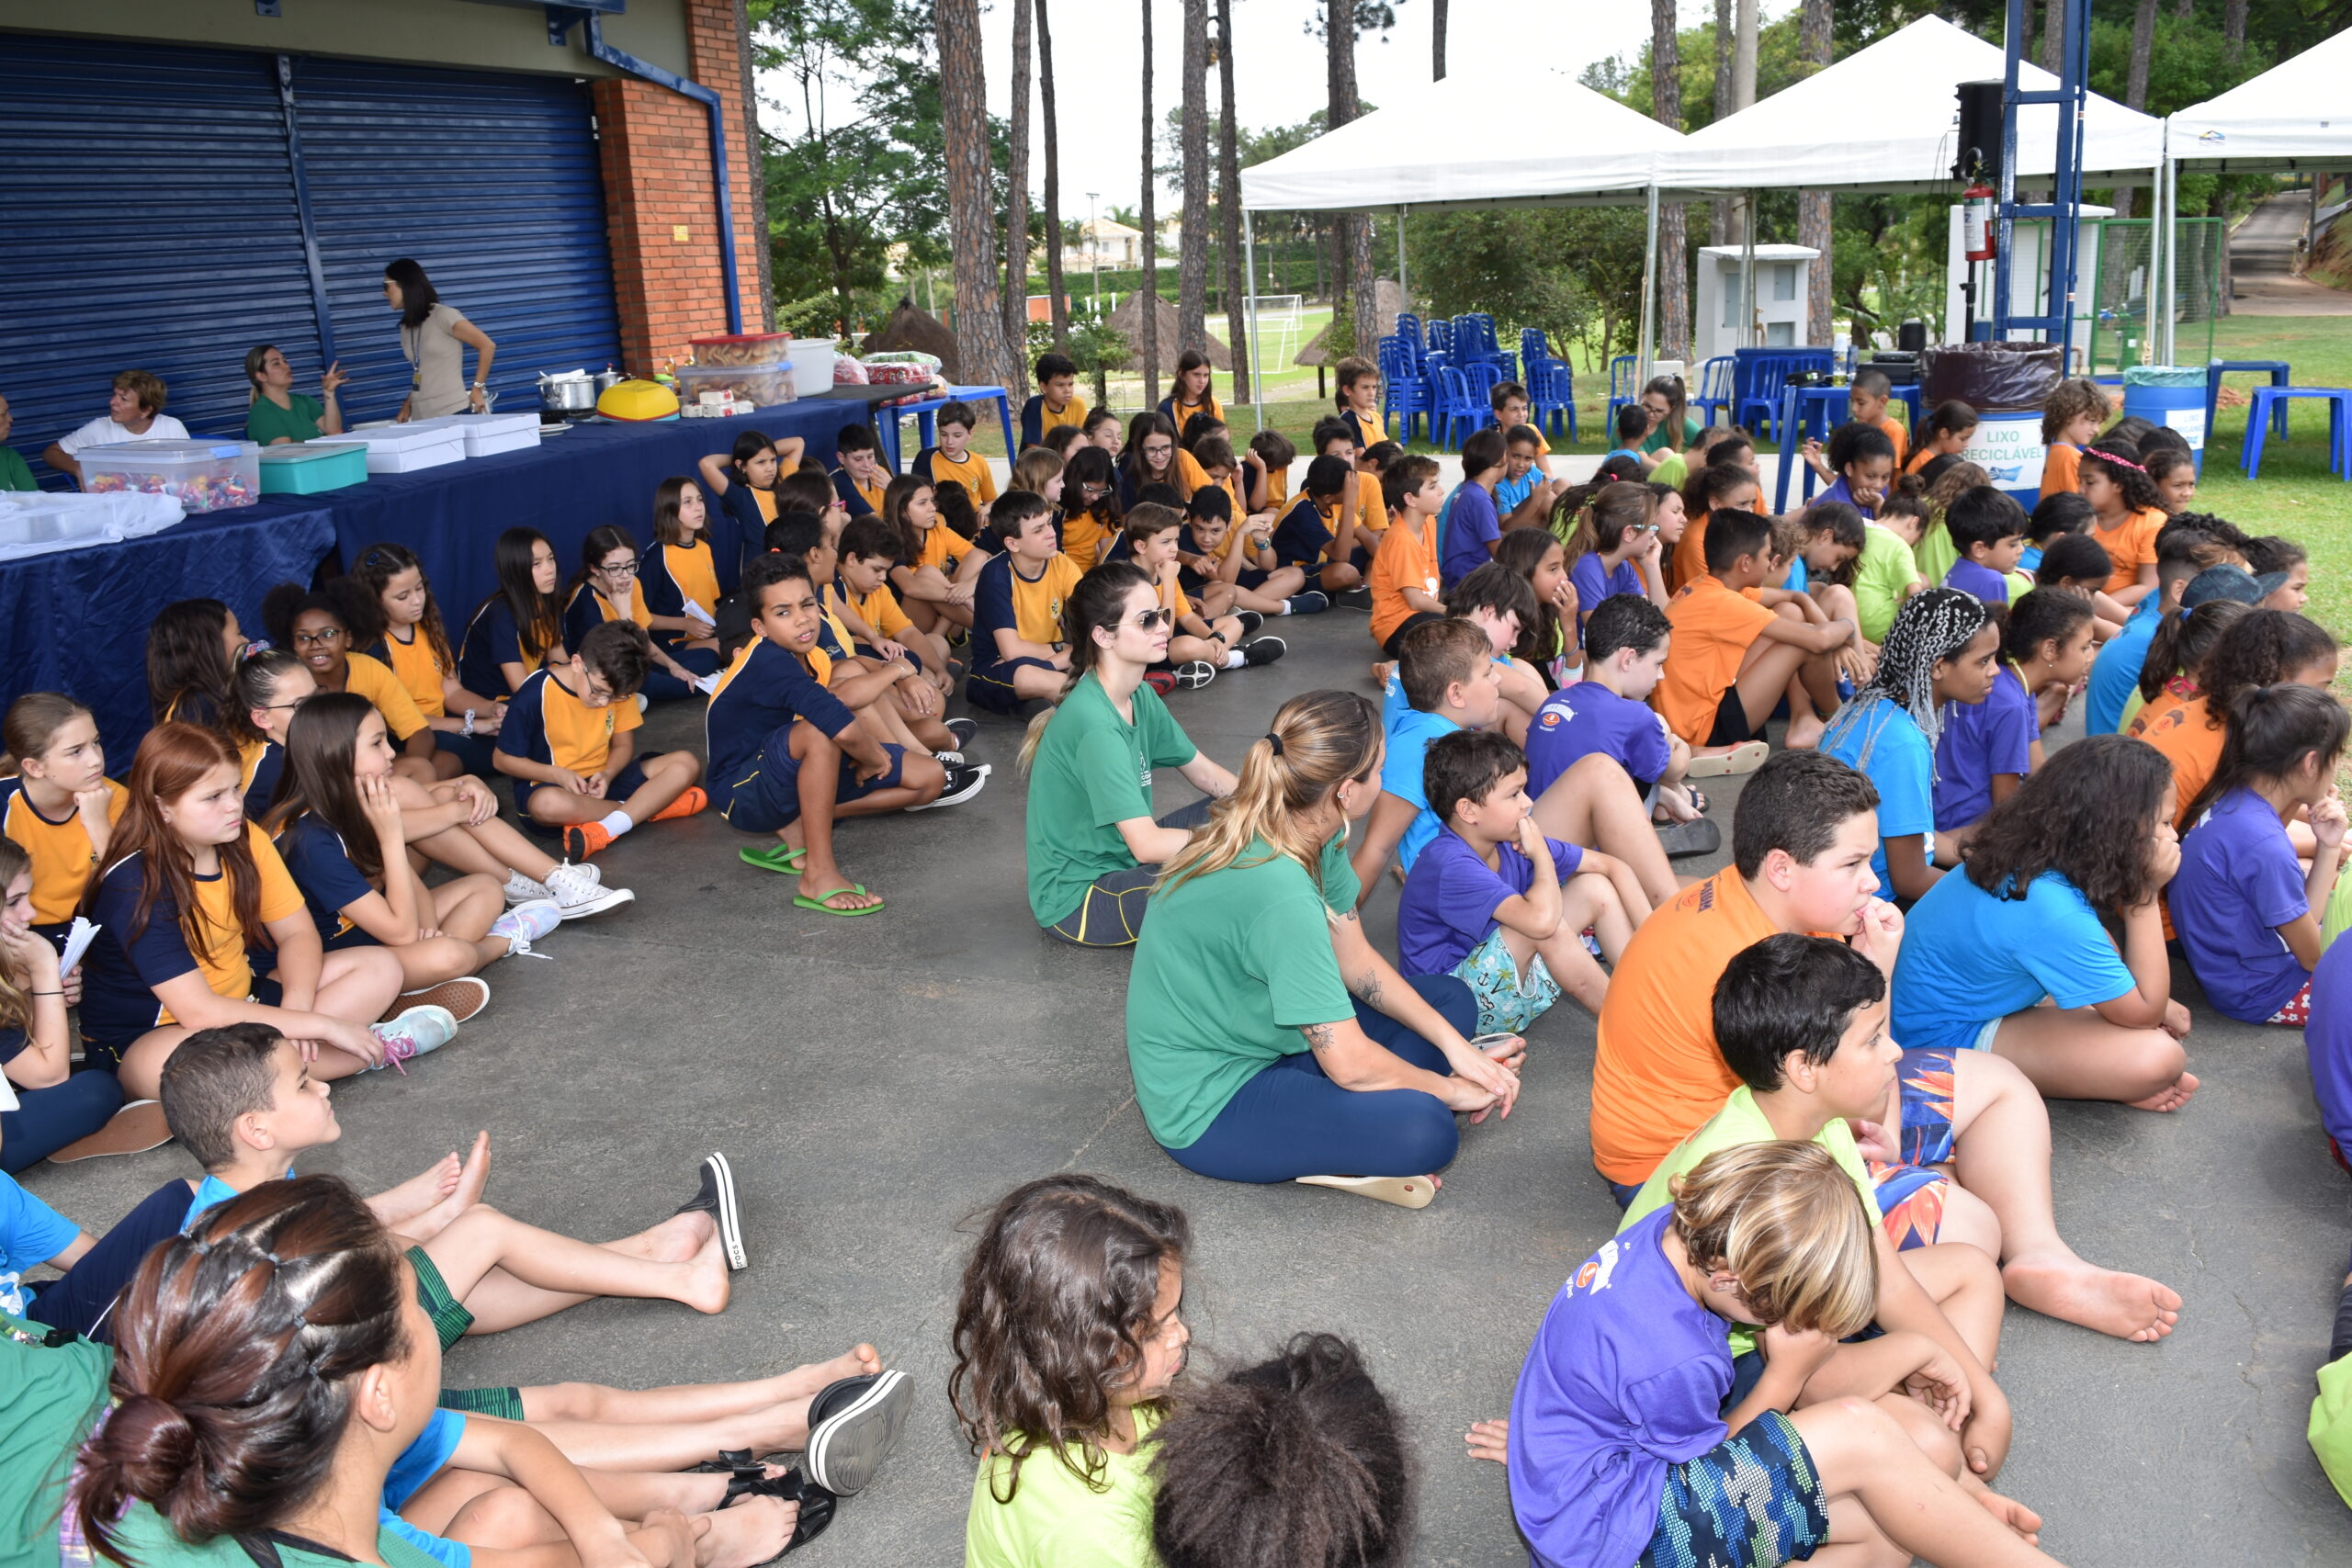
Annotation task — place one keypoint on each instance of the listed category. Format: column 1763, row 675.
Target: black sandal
column 817, row 1505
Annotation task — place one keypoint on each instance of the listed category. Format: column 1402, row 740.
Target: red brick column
column 656, row 154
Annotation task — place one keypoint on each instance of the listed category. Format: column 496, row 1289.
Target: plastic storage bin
column 760, row 385
column 202, row 475
column 812, row 363
column 741, row 349
column 489, row 434
column 2172, row 396
column 406, row 448
column 311, row 467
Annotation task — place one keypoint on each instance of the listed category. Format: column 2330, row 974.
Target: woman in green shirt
column 279, row 414
column 1671, row 426
column 1094, row 847
column 1252, row 1061
column 15, row 473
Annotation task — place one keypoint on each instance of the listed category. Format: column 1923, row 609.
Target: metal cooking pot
column 609, row 378
column 571, row 393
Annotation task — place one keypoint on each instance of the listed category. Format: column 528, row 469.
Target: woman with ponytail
column 1940, row 651
column 1252, row 1060
column 1094, row 846
column 2248, row 911
column 276, row 1382
column 2252, row 647
column 1616, row 549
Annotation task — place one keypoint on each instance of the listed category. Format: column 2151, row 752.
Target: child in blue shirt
column 1940, row 651
column 1494, row 903
column 1987, row 750
column 1471, row 527
column 1634, row 1435
column 1451, row 683
column 1987, row 527
column 1863, row 458
column 2088, row 838
column 2247, row 911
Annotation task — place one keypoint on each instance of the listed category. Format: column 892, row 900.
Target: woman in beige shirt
column 433, row 338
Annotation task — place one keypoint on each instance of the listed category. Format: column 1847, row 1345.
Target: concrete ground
column 2263, row 278
column 877, row 1081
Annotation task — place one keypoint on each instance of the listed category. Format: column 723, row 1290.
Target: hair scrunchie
column 1275, row 742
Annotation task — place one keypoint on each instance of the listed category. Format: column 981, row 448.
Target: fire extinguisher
column 1976, row 222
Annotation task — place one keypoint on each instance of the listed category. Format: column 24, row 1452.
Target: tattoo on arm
column 1367, row 987
column 1319, row 1036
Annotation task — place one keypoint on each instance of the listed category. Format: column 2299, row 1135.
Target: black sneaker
column 964, row 780
column 853, row 1425
column 1193, row 675
column 1250, row 621
column 963, row 729
column 1353, row 599
column 1265, row 651
column 1314, row 602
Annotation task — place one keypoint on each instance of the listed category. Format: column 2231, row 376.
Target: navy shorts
column 768, row 797
column 630, row 780
column 1752, row 1501
column 473, row 751
column 991, row 686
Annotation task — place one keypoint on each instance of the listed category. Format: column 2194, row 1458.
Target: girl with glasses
column 318, row 628
column 607, row 588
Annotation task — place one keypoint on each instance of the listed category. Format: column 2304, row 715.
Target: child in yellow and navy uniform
column 953, row 460
column 862, row 479
column 1057, row 402
column 322, row 629
column 1189, row 396
column 681, row 579
column 567, row 745
column 407, row 637
column 610, row 588
column 61, row 808
column 1359, row 400
column 1308, row 537
column 1016, row 652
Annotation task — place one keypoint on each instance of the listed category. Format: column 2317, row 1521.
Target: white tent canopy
column 1884, row 119
column 1442, row 148
column 2297, row 115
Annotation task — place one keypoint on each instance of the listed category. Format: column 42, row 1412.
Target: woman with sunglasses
column 607, row 590
column 1094, row 846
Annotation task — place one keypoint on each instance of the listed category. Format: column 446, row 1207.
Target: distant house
column 1105, row 244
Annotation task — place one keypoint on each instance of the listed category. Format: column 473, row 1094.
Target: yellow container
column 638, row 402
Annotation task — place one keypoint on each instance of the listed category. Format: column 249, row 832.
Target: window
column 1784, row 282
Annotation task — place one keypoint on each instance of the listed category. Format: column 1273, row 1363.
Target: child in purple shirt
column 1472, row 525
column 1987, row 527
column 2247, row 912
column 1493, row 902
column 1609, row 711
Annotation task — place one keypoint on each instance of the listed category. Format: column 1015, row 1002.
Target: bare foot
column 677, row 1239
column 1805, row 733
column 754, row 1531
column 2172, row 1097
column 2008, row 1510
column 842, row 898
column 707, row 1283
column 472, row 1178
column 396, row 1206
column 2125, row 1306
column 1489, row 1439
column 859, row 1361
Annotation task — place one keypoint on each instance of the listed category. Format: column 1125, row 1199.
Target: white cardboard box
column 405, row 448
column 487, row 434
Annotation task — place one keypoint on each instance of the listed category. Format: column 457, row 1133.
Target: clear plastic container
column 202, row 475
column 760, row 385
column 741, row 349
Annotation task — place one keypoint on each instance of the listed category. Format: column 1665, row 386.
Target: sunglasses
column 1157, row 620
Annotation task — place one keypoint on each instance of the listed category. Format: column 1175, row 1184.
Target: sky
column 1278, row 68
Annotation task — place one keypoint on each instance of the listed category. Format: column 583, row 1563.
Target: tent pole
column 1747, row 268
column 1404, row 299
column 1249, row 338
column 2167, row 234
column 1648, row 346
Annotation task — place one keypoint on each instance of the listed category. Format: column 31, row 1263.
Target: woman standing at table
column 1253, row 1059
column 279, row 413
column 433, row 338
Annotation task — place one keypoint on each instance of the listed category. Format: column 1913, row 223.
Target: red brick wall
column 656, row 152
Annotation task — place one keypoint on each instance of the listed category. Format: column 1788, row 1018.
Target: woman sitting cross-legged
column 1252, row 1061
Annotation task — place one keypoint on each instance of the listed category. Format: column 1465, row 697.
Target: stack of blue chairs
column 1457, row 410
column 1623, row 389
column 1551, row 385
column 1404, row 386
column 1715, row 394
column 1761, row 373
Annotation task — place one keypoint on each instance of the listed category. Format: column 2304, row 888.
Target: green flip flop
column 780, row 856
column 803, row 901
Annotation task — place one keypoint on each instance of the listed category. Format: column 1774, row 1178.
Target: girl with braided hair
column 1940, row 650
column 1094, row 846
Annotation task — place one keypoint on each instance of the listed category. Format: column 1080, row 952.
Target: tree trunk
column 1666, row 108
column 1815, row 226
column 2135, row 91
column 1354, row 230
column 1147, row 350
column 1058, row 302
column 1723, row 216
column 2054, row 34
column 1016, row 204
column 1437, row 39
column 2185, row 9
column 2234, row 29
column 982, row 356
column 1228, row 205
column 1192, row 249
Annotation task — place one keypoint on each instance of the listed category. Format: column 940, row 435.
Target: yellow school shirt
column 61, row 852
column 1084, row 538
column 878, row 609
column 765, row 500
column 607, row 610
column 690, row 569
column 1073, row 412
column 1189, row 475
column 1182, row 412
column 1370, row 432
column 1277, row 486
column 942, row 547
column 872, row 498
column 418, row 670
column 972, row 473
column 371, row 680
column 222, row 955
column 580, row 738
column 1037, row 606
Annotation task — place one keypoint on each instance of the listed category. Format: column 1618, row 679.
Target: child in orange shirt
column 1718, row 487
column 2070, row 417
column 1732, row 660
column 1950, row 429
column 2127, row 513
column 2259, row 647
column 1403, row 574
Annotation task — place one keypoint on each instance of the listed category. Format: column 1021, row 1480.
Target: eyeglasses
column 320, row 637
column 619, row 568
column 1156, row 620
column 1088, row 487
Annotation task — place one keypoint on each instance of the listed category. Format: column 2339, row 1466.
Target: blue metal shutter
column 152, row 224
column 491, row 184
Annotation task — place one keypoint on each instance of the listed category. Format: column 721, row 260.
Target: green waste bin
column 2172, row 396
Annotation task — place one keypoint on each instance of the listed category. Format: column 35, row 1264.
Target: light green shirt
column 265, row 422
column 1092, row 771
column 1055, row 1519
column 1230, row 967
column 1935, row 552
column 48, row 1397
column 1882, row 572
column 149, row 1541
column 1739, row 1123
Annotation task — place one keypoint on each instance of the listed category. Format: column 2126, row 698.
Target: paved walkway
column 2262, row 258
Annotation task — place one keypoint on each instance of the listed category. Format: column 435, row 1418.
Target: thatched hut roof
column 1127, row 320
column 1391, row 301
column 909, row 329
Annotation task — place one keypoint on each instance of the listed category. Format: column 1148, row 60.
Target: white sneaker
column 419, row 1031
column 579, row 891
column 524, row 924
column 521, row 889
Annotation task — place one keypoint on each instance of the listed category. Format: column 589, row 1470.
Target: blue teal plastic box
column 308, row 467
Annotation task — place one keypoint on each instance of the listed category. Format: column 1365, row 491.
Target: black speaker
column 1978, row 150
column 1911, row 337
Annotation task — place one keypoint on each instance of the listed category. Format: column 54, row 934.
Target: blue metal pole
column 302, row 212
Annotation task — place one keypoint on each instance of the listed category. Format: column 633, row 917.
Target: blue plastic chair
column 1441, row 332
column 1551, row 388
column 1484, row 377
column 1404, row 390
column 1457, row 414
column 1622, row 389
column 2273, row 400
column 1715, row 394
